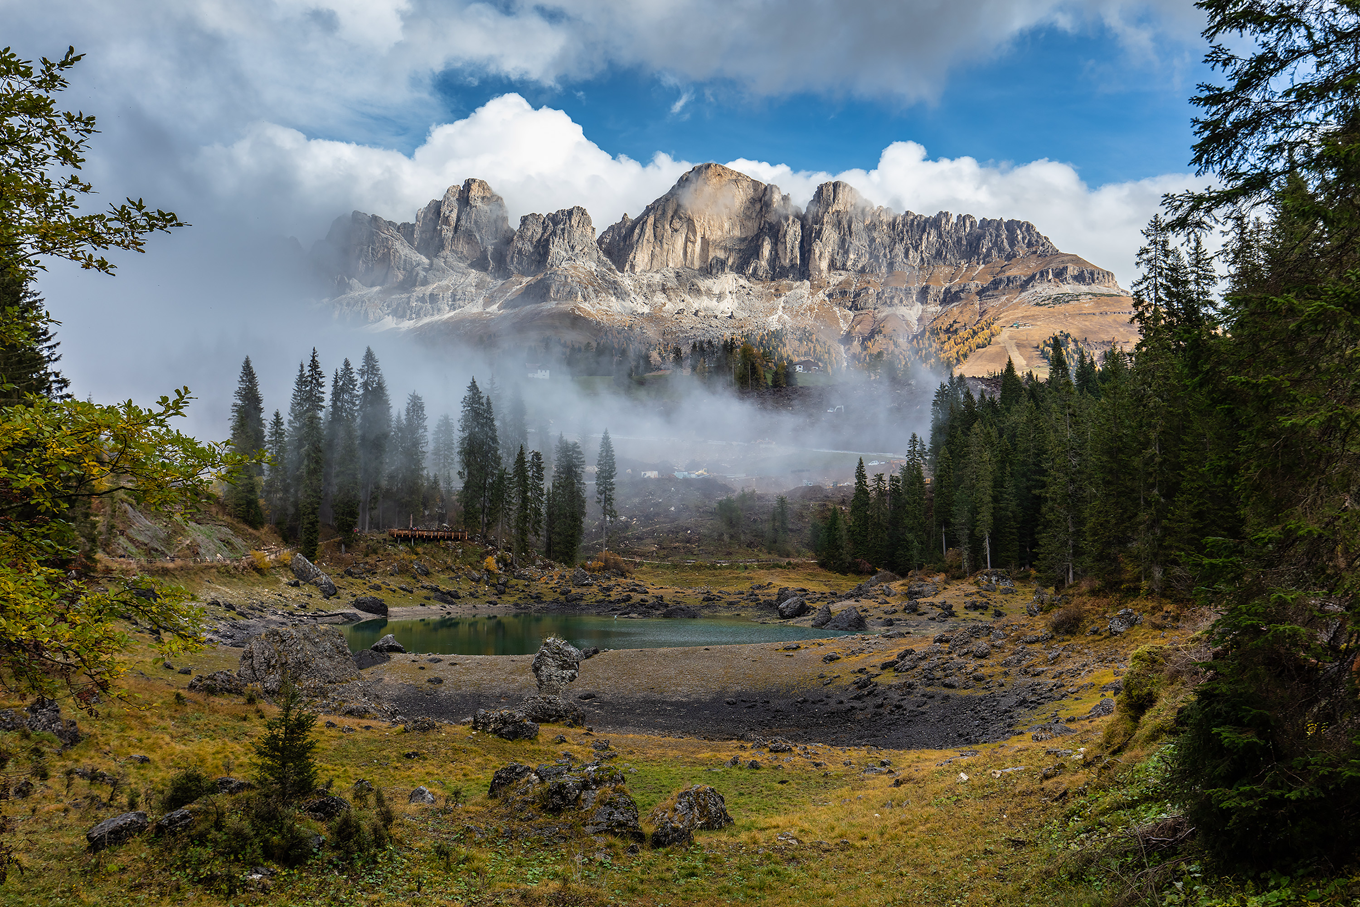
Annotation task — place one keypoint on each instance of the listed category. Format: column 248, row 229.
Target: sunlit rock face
column 719, row 254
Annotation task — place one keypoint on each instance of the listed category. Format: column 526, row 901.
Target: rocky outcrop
column 43, row 716
column 694, row 809
column 594, row 795
column 217, row 683
column 371, row 604
column 508, row 724
column 311, row 657
column 843, row 232
column 713, row 220
column 468, row 225
column 551, row 241
column 553, row 710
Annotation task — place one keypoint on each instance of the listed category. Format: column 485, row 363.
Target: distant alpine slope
column 720, row 254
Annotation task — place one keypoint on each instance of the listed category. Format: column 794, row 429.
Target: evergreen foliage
column 375, row 429
column 285, row 764
column 566, row 504
column 479, row 456
column 248, row 440
column 606, row 470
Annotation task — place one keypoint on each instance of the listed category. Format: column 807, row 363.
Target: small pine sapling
column 284, row 760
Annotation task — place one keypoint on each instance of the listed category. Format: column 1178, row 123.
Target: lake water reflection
column 522, row 634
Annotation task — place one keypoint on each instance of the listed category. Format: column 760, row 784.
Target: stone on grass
column 44, row 717
column 308, row 572
column 508, row 724
column 171, row 822
column 1124, row 621
column 116, row 830
column 421, row 795
column 326, row 807
column 697, row 808
column 217, row 683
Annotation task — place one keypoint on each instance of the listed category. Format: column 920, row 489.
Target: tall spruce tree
column 27, row 363
column 307, row 450
column 605, row 472
column 566, row 502
column 479, row 457
column 248, row 439
column 342, row 452
column 375, row 430
column 278, row 487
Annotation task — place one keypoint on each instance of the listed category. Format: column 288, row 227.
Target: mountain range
column 723, row 254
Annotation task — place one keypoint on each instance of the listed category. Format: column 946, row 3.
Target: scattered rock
column 367, row 658
column 556, row 664
column 580, row 577
column 43, row 717
column 228, row 785
column 697, row 808
column 980, row 650
column 1124, row 621
column 922, row 590
column 822, row 617
column 175, row 821
column 116, row 830
column 309, row 656
column 421, row 795
column 508, row 724
column 420, row 726
column 595, row 793
column 326, row 807
column 1054, row 728
column 217, row 683
column 308, row 572
column 793, row 607
column 388, row 645
column 506, row 777
column 1101, row 709
column 847, row 620
column 371, row 604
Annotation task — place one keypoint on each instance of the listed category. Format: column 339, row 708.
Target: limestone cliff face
column 545, row 242
column 713, row 220
column 719, row 253
column 843, row 232
column 468, row 224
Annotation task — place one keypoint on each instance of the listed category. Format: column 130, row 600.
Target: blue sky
column 258, row 120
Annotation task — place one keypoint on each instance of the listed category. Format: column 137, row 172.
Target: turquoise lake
column 522, row 634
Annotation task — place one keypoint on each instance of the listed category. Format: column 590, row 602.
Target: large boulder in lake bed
column 556, row 665
column 116, row 830
column 849, row 620
column 308, row 572
column 371, row 604
column 310, row 656
column 388, row 645
column 790, row 608
column 822, row 617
